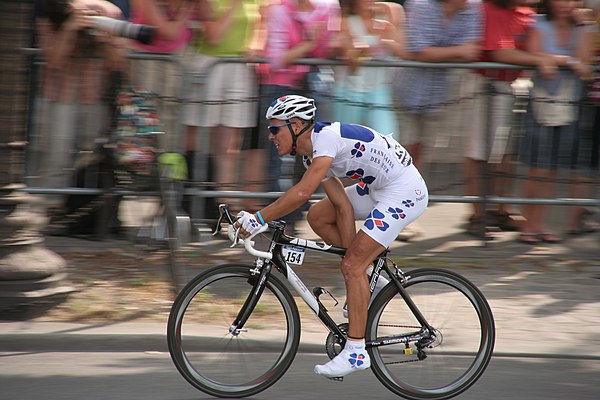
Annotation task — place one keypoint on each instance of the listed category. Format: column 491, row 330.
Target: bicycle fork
column 257, row 278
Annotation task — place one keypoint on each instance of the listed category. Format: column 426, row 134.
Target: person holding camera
column 73, row 114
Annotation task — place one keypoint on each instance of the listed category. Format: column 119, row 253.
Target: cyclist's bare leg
column 354, row 265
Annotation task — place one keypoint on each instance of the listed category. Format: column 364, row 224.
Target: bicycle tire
column 463, row 323
column 212, row 359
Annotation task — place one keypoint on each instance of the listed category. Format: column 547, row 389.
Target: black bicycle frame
column 263, row 269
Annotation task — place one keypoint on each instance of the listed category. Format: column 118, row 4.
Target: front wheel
column 240, row 363
column 455, row 356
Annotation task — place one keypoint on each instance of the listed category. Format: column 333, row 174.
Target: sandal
column 504, row 220
column 529, row 238
column 476, row 227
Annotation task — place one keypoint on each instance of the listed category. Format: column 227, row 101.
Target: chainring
column 333, row 344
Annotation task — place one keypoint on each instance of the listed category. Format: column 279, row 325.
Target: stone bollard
column 32, row 278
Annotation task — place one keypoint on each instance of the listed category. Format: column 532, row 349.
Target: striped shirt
column 425, row 89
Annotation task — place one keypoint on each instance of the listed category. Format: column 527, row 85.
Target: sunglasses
column 274, row 129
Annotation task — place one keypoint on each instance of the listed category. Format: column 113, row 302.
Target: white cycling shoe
column 353, row 357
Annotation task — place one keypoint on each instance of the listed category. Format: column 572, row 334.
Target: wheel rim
column 461, row 352
column 213, row 359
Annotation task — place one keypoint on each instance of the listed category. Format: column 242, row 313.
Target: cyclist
column 366, row 176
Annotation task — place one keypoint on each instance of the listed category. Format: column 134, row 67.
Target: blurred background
column 121, row 120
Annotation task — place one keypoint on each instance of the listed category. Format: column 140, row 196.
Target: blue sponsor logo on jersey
column 320, row 125
column 362, row 187
column 358, row 150
column 376, row 219
column 356, row 132
column 396, row 213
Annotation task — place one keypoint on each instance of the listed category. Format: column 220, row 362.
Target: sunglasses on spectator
column 274, row 129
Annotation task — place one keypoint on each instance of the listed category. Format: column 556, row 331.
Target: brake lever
column 223, row 213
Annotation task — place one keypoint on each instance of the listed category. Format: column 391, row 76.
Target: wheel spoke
column 458, row 350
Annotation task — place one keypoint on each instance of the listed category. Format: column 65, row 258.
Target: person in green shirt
column 226, row 106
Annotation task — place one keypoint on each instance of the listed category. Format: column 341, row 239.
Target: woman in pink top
column 294, row 29
column 174, row 21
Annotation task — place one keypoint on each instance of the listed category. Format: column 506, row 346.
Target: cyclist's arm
column 344, row 213
column 301, row 192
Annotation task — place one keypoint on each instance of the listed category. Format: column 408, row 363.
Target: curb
column 130, row 342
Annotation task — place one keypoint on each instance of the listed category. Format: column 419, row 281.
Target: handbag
column 556, row 109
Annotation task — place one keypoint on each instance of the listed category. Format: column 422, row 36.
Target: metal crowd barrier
column 196, row 190
column 199, row 188
column 158, row 187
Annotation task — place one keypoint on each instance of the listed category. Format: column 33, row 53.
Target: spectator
column 581, row 219
column 551, row 138
column 174, row 21
column 506, row 25
column 224, row 105
column 437, row 31
column 74, row 114
column 363, row 95
column 294, row 30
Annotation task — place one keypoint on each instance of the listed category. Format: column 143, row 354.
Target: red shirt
column 504, row 28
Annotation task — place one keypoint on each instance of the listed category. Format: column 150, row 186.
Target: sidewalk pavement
column 545, row 299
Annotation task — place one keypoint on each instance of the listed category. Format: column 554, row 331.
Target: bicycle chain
column 400, row 326
column 402, row 362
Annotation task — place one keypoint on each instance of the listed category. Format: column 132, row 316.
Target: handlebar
column 232, row 233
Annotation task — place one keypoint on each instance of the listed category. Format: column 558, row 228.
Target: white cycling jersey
column 359, row 153
column 389, row 192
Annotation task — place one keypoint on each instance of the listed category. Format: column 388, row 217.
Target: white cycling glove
column 249, row 222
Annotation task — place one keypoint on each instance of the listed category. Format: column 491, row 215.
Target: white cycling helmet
column 291, row 106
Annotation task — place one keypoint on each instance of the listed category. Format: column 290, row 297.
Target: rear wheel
column 462, row 344
column 232, row 364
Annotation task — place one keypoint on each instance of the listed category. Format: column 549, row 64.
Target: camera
column 58, row 11
column 139, row 32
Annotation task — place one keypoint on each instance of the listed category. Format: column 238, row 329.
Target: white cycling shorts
column 386, row 211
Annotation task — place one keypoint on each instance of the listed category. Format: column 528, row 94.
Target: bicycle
column 234, row 330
